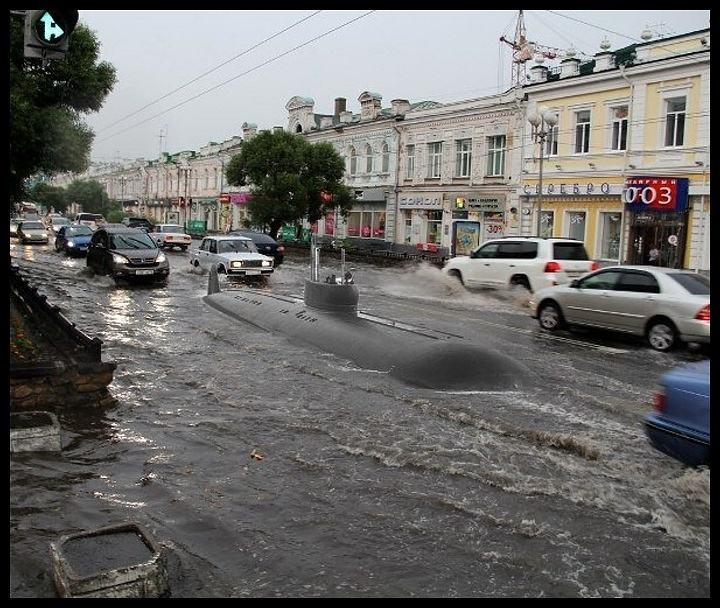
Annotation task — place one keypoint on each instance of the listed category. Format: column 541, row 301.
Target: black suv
column 126, row 253
column 138, row 222
column 265, row 244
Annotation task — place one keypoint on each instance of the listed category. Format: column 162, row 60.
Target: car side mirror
column 575, row 283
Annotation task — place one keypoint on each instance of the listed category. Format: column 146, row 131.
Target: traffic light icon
column 47, row 32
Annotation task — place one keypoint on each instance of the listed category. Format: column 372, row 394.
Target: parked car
column 126, row 253
column 94, row 220
column 680, row 424
column 138, row 222
column 530, row 262
column 14, row 223
column 664, row 305
column 235, row 256
column 265, row 244
column 32, row 231
column 57, row 222
column 73, row 239
column 170, row 235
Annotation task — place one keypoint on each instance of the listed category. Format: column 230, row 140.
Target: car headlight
column 120, row 259
column 266, row 263
column 161, row 258
column 238, row 264
column 70, row 244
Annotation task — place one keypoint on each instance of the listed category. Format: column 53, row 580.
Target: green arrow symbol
column 52, row 29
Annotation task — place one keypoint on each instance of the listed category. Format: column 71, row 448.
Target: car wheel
column 196, row 264
column 662, row 335
column 183, row 247
column 520, row 282
column 550, row 316
column 456, row 274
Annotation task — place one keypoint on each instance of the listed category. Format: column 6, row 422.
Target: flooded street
column 364, row 486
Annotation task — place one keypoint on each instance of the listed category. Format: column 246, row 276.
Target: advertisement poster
column 466, row 237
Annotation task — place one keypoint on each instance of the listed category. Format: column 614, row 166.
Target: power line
column 264, row 63
column 595, row 26
column 217, row 67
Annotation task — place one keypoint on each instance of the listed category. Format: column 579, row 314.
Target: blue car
column 680, row 425
column 73, row 239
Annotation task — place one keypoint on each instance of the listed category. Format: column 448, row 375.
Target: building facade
column 627, row 167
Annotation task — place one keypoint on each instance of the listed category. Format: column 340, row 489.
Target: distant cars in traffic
column 680, row 424
column 126, row 253
column 264, row 243
column 529, row 262
column 73, row 239
column 170, row 235
column 56, row 222
column 235, row 256
column 137, row 222
column 32, row 231
column 94, row 220
column 664, row 305
column 14, row 223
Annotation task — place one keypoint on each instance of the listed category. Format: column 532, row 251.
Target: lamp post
column 542, row 123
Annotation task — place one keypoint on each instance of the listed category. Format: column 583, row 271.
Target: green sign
column 196, row 226
column 305, row 235
column 287, row 233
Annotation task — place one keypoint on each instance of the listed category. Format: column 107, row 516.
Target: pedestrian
column 653, row 256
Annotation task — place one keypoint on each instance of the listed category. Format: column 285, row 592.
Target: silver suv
column 529, row 261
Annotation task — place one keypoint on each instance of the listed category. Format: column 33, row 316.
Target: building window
column 463, row 157
column 368, row 159
column 410, row 167
column 547, row 222
column 576, row 222
column 207, row 179
column 217, row 181
column 366, row 224
column 582, row 132
column 619, row 128
column 408, row 229
column 385, row 158
column 609, row 236
column 353, row 161
column 551, row 141
column 675, row 122
column 434, row 159
column 496, row 155
column 434, row 226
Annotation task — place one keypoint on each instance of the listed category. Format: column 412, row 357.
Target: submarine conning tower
column 336, row 294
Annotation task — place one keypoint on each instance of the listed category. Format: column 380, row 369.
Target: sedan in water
column 14, row 223
column 170, row 235
column 235, row 256
column 664, row 305
column 73, row 239
column 265, row 244
column 680, row 424
column 32, row 231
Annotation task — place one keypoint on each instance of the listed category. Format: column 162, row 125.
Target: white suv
column 531, row 262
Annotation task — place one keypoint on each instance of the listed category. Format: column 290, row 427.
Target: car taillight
column 281, row 248
column 594, row 266
column 703, row 314
column 659, row 401
column 552, row 267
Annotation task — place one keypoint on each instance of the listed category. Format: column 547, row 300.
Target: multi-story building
column 627, row 167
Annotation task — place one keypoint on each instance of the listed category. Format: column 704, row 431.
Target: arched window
column 353, row 161
column 385, row 158
column 207, row 179
column 369, row 159
column 298, row 129
column 217, row 181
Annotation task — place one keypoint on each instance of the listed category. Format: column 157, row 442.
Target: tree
column 289, row 178
column 47, row 133
column 90, row 195
column 49, row 197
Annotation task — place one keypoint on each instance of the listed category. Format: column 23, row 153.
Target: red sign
column 326, row 197
column 656, row 193
column 330, row 224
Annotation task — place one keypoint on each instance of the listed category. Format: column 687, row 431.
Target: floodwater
column 269, row 468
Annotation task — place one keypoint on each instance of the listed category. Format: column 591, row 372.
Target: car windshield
column 238, row 246
column 695, row 284
column 60, row 221
column 569, row 251
column 261, row 238
column 131, row 241
column 173, row 228
column 32, row 226
column 78, row 231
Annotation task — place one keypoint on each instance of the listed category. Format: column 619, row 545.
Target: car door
column 515, row 258
column 202, row 253
column 589, row 301
column 480, row 266
column 95, row 252
column 213, row 257
column 635, row 300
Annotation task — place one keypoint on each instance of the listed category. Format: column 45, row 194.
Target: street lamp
column 542, row 123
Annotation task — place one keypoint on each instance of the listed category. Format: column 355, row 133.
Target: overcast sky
column 416, row 55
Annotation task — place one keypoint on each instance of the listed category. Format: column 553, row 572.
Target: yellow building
column 626, row 167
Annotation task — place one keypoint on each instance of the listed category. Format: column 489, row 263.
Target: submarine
column 328, row 319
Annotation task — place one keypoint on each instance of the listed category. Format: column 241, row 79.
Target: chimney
column 569, row 67
column 326, row 121
column 345, row 116
column 278, row 129
column 604, row 61
column 399, row 106
column 340, row 105
column 538, row 73
column 248, row 130
column 370, row 104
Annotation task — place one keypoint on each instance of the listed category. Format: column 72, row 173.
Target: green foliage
column 47, row 133
column 287, row 175
column 90, row 195
column 115, row 215
column 48, row 196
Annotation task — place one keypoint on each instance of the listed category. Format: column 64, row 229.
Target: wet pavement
column 270, row 468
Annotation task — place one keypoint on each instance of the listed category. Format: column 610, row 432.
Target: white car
column 234, row 255
column 56, row 222
column 170, row 235
column 530, row 262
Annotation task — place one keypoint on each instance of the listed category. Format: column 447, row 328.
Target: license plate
column 144, row 271
column 252, row 272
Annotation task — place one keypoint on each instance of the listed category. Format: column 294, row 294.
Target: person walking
column 654, row 256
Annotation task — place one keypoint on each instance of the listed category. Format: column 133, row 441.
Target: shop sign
column 568, row 189
column 420, row 202
column 485, row 204
column 656, row 193
column 236, row 198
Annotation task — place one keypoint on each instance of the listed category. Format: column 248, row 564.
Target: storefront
column 421, row 219
column 368, row 217
column 232, row 211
